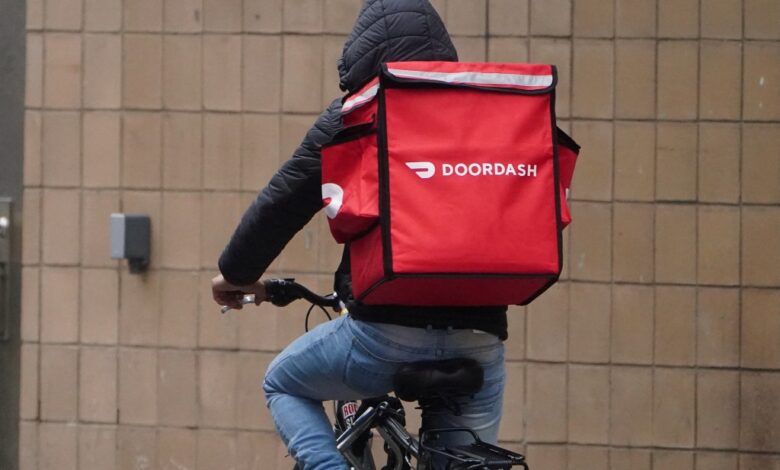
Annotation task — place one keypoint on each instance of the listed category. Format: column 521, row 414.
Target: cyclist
column 355, row 356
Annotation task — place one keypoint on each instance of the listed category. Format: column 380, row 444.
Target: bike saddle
column 417, row 381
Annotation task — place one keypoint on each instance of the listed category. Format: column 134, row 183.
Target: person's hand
column 230, row 295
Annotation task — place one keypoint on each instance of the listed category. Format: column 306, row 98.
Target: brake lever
column 247, row 299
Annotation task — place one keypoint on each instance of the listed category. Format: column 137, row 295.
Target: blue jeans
column 349, row 359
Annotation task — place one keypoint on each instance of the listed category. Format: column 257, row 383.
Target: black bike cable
column 308, row 313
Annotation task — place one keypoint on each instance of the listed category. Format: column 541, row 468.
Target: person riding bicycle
column 356, row 356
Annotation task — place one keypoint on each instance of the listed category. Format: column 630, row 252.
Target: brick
column 138, row 386
column 95, row 238
column 675, row 325
column 509, row 50
column 635, row 65
column 760, row 253
column 217, row 388
column 633, row 459
column 99, row 306
column 589, row 323
column 632, row 249
column 718, row 245
column 182, row 136
column 60, row 305
column 551, row 18
column 252, row 448
column 632, row 324
column 717, row 417
column 263, row 16
column 183, row 16
column 332, row 47
column 761, row 84
column 102, row 15
column 260, row 140
column 760, row 411
column 589, row 457
column 588, row 404
column 216, row 448
column 679, row 460
column 675, row 243
column 98, row 385
column 557, row 52
column 59, row 383
column 634, row 161
column 635, row 18
column 594, row 18
column 222, row 151
column 761, row 19
column 470, row 49
column 34, row 14
column 97, row 447
column 249, row 394
column 591, row 244
column 302, row 16
column 760, row 163
column 62, row 70
column 302, row 73
column 61, row 148
column 720, row 80
column 674, row 405
column 339, row 15
column 219, row 214
column 760, row 328
column 676, row 162
column 293, row 129
column 136, row 447
column 28, row 382
column 758, row 462
column 182, row 80
column 513, row 416
column 678, row 18
column 719, row 162
column 593, row 178
column 677, row 79
column 31, row 226
column 716, row 461
column 179, row 309
column 721, row 19
column 466, row 17
column 34, row 70
column 222, row 72
column 177, row 448
column 63, row 14
column 142, row 150
column 546, row 414
column 547, row 320
column 100, row 149
column 593, row 85
column 546, row 456
column 515, row 349
column 28, row 445
column 142, row 71
column 631, row 406
column 300, row 255
column 222, row 15
column 508, row 17
column 143, row 15
column 139, row 308
column 57, row 446
column 262, row 73
column 717, row 327
column 31, row 305
column 177, row 388
column 33, row 141
column 181, row 230
column 102, row 71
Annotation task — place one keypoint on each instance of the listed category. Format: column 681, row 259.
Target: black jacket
column 385, row 31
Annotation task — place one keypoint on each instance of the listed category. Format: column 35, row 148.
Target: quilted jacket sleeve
column 282, row 208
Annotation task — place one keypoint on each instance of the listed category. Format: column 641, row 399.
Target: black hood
column 389, row 31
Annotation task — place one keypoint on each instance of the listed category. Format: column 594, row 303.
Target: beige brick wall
column 659, row 349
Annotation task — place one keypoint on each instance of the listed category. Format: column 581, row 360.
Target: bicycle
column 435, row 385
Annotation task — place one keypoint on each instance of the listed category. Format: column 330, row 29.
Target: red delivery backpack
column 448, row 182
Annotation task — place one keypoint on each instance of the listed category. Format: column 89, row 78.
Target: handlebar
column 281, row 292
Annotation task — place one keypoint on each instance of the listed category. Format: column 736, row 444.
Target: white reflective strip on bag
column 362, row 98
column 477, row 78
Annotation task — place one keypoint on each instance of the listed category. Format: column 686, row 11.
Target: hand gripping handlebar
column 282, row 292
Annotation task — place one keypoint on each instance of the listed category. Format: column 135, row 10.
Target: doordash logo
column 427, row 170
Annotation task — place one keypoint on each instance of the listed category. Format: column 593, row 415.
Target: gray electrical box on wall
column 130, row 240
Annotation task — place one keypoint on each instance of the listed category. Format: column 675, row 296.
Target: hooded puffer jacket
column 385, row 31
